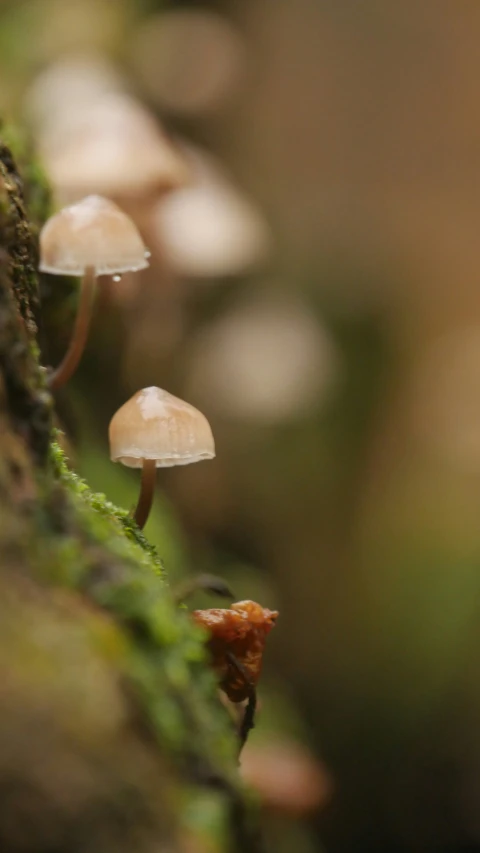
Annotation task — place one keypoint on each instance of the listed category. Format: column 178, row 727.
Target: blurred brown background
column 314, row 288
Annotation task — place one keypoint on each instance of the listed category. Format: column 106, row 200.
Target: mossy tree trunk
column 111, row 734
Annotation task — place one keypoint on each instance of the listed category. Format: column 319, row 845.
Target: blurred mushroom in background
column 267, row 360
column 111, row 145
column 287, row 777
column 209, row 228
column 189, row 61
column 69, row 84
column 114, row 147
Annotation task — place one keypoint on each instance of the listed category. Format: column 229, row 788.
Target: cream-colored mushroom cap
column 113, row 147
column 92, row 233
column 69, row 84
column 209, row 228
column 154, row 424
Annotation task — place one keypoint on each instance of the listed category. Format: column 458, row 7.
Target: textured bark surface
column 111, row 734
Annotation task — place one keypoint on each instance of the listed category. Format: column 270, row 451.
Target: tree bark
column 110, row 726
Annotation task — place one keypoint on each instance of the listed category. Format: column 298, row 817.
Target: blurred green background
column 314, row 288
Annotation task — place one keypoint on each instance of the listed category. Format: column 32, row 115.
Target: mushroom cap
column 92, row 233
column 286, row 776
column 70, row 83
column 113, row 147
column 154, row 424
column 209, row 228
column 190, row 61
column 267, row 360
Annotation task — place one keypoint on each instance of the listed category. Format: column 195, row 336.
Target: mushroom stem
column 78, row 340
column 147, row 490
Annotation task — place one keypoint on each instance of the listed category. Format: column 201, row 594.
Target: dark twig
column 248, row 720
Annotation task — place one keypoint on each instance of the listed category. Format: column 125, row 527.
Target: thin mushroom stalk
column 147, row 490
column 90, row 238
column 70, row 361
column 153, row 430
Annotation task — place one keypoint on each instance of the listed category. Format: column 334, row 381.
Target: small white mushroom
column 90, row 238
column 153, row 430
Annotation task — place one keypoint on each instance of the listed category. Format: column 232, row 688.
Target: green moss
column 167, row 662
column 119, row 521
column 36, row 189
column 74, row 541
column 79, row 540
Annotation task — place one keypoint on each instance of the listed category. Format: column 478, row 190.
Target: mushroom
column 153, row 430
column 266, row 360
column 115, row 147
column 287, row 776
column 67, row 85
column 189, row 61
column 209, row 228
column 90, row 238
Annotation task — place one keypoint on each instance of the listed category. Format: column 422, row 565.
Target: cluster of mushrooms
column 153, row 429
